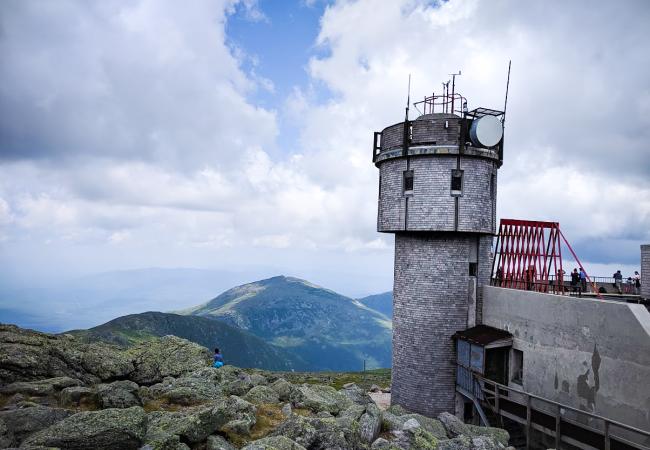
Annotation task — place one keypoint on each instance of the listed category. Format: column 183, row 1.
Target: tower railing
column 565, row 423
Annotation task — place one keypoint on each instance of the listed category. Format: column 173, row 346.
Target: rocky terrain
column 56, row 391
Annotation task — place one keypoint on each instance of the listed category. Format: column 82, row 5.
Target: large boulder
column 297, row 428
column 17, row 424
column 262, row 394
column 428, row 424
column 107, row 429
column 257, row 379
column 195, row 424
column 76, row 396
column 216, row 442
column 49, row 386
column 383, row 444
column 414, row 437
column 370, row 424
column 119, row 394
column 455, row 427
column 485, row 443
column 199, row 386
column 274, row 443
column 391, row 422
column 238, row 386
column 27, row 355
column 169, row 356
column 457, row 443
column 329, row 436
column 286, row 391
column 356, row 394
column 322, row 398
column 192, row 425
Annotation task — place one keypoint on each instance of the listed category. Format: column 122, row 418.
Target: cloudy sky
column 237, row 134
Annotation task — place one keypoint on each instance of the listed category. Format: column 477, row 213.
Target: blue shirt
column 218, row 357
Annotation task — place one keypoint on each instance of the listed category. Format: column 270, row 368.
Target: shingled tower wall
column 645, row 271
column 443, row 240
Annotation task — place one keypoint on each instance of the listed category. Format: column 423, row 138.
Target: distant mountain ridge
column 380, row 302
column 239, row 347
column 327, row 330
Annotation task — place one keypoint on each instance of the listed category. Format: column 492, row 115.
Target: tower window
column 408, row 182
column 473, row 268
column 456, row 182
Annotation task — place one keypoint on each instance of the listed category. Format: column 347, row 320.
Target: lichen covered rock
column 274, row 443
column 119, row 394
column 455, row 427
column 169, row 356
column 323, row 398
column 370, row 424
column 17, row 424
column 106, row 429
column 48, row 386
column 262, row 394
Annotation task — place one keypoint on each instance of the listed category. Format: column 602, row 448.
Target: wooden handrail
column 561, row 405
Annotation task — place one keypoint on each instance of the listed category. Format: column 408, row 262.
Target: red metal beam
column 529, row 253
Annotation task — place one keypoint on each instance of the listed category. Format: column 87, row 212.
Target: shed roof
column 483, row 335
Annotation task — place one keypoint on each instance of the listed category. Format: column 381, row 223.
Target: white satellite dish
column 486, row 131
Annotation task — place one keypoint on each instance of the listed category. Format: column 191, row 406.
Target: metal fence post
column 607, row 442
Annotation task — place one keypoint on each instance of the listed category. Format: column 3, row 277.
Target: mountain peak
column 317, row 324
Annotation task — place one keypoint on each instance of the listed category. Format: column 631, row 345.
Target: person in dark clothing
column 575, row 279
column 618, row 281
column 499, row 276
column 583, row 280
column 218, row 359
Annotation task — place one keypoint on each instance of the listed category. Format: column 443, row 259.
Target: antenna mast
column 408, row 99
column 453, row 89
column 505, row 104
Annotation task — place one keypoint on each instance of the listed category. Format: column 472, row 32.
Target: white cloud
column 576, row 143
column 129, row 132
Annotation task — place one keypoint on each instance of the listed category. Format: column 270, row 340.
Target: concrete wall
column 645, row 271
column 431, row 296
column 589, row 354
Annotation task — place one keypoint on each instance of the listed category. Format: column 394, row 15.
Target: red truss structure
column 528, row 255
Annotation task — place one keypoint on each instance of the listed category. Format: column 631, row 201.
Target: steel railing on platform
column 536, row 286
column 565, row 423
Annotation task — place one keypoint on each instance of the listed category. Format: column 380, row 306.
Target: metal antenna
column 453, row 88
column 505, row 104
column 407, row 125
column 408, row 98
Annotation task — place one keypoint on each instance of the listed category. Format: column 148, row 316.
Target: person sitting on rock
column 218, row 359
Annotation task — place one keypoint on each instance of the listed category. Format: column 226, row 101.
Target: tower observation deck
column 437, row 194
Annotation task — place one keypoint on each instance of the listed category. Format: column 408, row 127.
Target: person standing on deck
column 637, row 283
column 583, row 280
column 575, row 279
column 618, row 280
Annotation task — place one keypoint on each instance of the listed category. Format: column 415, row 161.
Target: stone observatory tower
column 437, row 194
